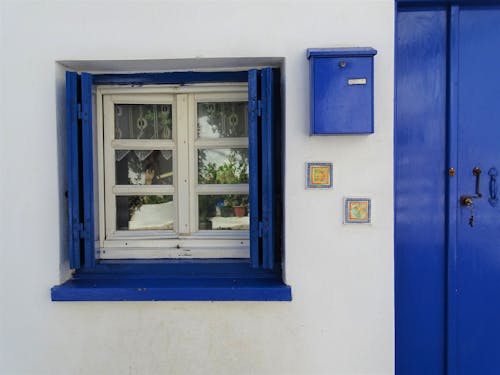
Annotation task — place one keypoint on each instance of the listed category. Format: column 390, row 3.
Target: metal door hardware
column 477, row 172
column 468, row 200
column 493, row 173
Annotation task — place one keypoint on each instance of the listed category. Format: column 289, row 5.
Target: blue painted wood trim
column 268, row 169
column 221, row 279
column 395, row 177
column 436, row 3
column 253, row 158
column 72, row 139
column 172, row 290
column 341, row 52
column 279, row 159
column 372, row 72
column 452, row 187
column 447, row 2
column 178, row 268
column 420, row 261
column 312, row 97
column 88, row 170
column 169, row 78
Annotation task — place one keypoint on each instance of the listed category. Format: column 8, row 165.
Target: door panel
column 420, row 164
column 447, row 268
column 478, row 246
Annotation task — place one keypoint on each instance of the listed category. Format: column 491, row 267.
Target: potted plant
column 238, row 203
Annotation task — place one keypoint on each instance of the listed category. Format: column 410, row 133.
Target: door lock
column 466, row 200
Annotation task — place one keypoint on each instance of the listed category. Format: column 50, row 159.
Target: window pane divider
column 143, row 190
column 217, row 189
column 143, row 144
column 183, row 162
column 222, row 142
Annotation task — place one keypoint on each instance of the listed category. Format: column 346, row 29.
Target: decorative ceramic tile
column 357, row 210
column 319, row 175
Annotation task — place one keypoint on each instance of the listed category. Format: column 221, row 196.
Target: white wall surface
column 341, row 319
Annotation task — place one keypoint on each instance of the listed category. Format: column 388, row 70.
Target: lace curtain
column 143, row 121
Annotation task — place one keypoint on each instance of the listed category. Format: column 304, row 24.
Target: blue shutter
column 73, row 157
column 263, row 168
column 253, row 156
column 80, row 169
column 268, row 169
column 88, row 169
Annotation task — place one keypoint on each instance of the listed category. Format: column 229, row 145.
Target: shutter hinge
column 80, row 114
column 261, row 229
column 76, row 231
column 79, row 231
column 79, row 111
column 82, row 233
column 259, row 107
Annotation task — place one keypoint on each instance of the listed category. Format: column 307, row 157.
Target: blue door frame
column 436, row 275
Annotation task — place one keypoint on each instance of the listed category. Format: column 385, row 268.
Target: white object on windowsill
column 234, row 223
column 153, row 216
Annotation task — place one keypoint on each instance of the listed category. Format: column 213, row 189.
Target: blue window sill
column 172, row 282
column 171, row 290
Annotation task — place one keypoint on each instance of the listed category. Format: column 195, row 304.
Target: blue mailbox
column 341, row 90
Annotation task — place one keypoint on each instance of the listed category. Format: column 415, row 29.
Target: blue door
column 447, row 158
column 477, row 268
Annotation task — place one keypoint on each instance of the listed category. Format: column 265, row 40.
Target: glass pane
column 223, row 166
column 145, row 212
column 143, row 121
column 148, row 167
column 223, row 212
column 222, row 120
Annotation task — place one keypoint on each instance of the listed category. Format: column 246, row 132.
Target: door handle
column 477, row 172
column 493, row 173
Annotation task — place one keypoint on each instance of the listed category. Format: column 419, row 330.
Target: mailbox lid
column 341, row 52
column 341, row 90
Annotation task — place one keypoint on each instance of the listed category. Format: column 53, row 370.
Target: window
column 174, row 170
column 174, row 186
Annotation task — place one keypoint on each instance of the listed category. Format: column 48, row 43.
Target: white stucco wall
column 341, row 320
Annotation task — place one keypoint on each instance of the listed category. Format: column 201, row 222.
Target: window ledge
column 172, row 289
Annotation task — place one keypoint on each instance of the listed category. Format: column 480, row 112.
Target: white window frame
column 185, row 241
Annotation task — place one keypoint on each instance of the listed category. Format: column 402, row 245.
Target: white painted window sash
column 142, row 144
column 212, row 143
column 183, row 164
column 215, row 189
column 186, row 240
column 143, row 190
column 111, row 190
